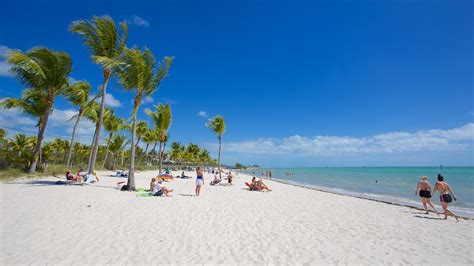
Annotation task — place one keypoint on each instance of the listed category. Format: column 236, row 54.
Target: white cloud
column 58, row 124
column 4, row 66
column 110, row 100
column 455, row 139
column 148, row 99
column 138, row 21
column 13, row 118
column 202, row 114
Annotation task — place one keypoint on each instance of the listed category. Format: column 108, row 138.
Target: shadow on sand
column 430, row 218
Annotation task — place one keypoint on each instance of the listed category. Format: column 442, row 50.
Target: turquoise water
column 394, row 184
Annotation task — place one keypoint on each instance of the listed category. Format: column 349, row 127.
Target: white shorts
column 199, row 182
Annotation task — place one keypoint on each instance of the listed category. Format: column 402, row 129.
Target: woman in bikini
column 424, row 190
column 445, row 193
column 199, row 180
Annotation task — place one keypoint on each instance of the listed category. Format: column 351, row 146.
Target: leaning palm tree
column 116, row 147
column 46, row 73
column 138, row 73
column 217, row 124
column 142, row 129
column 78, row 94
column 162, row 119
column 112, row 124
column 106, row 44
column 20, row 143
column 149, row 137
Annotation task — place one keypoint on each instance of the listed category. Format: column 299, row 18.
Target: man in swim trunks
column 424, row 190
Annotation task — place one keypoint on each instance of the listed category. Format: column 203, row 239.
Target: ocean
column 392, row 184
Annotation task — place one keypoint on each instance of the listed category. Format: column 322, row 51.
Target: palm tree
column 175, row 150
column 217, row 124
column 78, row 94
column 162, row 119
column 46, row 72
column 138, row 73
column 149, row 137
column 116, row 147
column 142, row 129
column 112, row 124
column 106, row 44
column 93, row 114
column 20, row 143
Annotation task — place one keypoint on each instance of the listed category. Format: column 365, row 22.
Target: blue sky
column 300, row 83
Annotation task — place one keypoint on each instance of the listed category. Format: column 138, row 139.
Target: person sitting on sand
column 262, row 186
column 159, row 190
column 229, row 178
column 215, row 181
column 424, row 190
column 152, row 184
column 445, row 193
column 253, row 184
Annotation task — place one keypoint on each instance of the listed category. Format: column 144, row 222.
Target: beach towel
column 144, row 194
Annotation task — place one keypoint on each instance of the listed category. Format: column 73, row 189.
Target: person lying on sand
column 159, row 190
column 71, row 177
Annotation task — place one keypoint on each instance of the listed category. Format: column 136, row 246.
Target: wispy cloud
column 148, row 99
column 4, row 66
column 138, row 21
column 59, row 124
column 111, row 101
column 425, row 140
column 202, row 114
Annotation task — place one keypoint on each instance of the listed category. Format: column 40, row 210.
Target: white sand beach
column 98, row 224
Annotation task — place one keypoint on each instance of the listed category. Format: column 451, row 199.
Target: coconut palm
column 217, row 125
column 162, row 119
column 112, row 124
column 46, row 73
column 142, row 129
column 20, row 143
column 138, row 73
column 149, row 137
column 106, row 44
column 175, row 150
column 116, row 147
column 93, row 115
column 78, row 94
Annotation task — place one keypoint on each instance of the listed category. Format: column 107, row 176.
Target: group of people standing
column 446, row 195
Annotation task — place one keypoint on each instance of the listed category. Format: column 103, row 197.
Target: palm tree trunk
column 72, row 140
column 111, row 134
column 144, row 154
column 131, row 170
column 42, row 128
column 95, row 148
column 219, row 158
column 153, row 151
column 92, row 146
column 113, row 160
column 159, row 157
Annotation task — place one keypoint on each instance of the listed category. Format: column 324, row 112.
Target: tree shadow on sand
column 430, row 218
column 41, row 183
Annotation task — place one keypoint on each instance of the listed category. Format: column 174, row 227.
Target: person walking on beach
column 199, row 180
column 424, row 190
column 445, row 198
